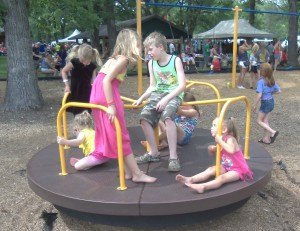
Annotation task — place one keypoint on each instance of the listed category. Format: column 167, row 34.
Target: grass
column 3, row 67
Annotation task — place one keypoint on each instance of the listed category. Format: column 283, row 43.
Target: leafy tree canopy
column 50, row 19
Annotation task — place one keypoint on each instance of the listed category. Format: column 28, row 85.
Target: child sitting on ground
column 85, row 137
column 233, row 165
column 216, row 65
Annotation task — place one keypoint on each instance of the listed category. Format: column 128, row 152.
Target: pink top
column 235, row 162
column 277, row 49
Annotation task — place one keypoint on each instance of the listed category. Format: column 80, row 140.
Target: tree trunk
column 111, row 26
column 95, row 41
column 94, row 32
column 292, row 38
column 22, row 91
column 251, row 14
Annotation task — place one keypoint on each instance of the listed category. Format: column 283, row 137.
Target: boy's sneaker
column 174, row 165
column 146, row 158
column 240, row 87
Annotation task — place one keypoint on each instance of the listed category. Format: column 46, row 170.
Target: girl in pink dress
column 105, row 91
column 233, row 165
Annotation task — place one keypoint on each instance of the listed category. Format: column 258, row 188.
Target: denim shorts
column 266, row 106
column 185, row 140
column 152, row 116
column 277, row 56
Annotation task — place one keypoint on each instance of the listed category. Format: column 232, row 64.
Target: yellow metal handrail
column 64, row 100
column 247, row 130
column 226, row 102
column 220, row 113
column 118, row 132
column 190, row 83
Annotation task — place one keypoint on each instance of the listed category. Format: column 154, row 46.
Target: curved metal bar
column 64, row 100
column 247, row 130
column 118, row 132
column 216, row 91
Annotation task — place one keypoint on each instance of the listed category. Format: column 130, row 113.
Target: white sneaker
column 240, row 87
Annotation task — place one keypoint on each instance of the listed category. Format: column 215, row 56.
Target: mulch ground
column 277, row 207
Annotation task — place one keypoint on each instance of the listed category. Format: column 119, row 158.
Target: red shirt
column 217, row 65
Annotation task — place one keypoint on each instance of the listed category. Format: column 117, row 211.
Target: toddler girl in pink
column 233, row 165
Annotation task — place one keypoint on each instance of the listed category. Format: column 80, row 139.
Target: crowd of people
column 3, row 49
column 216, row 55
column 252, row 55
column 203, row 54
column 49, row 59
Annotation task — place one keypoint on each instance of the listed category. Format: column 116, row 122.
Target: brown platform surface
column 95, row 191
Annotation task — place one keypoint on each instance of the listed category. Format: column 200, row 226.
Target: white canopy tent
column 224, row 29
column 66, row 40
column 286, row 42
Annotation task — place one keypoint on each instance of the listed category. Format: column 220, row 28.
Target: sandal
column 274, row 137
column 263, row 142
column 147, row 158
column 174, row 165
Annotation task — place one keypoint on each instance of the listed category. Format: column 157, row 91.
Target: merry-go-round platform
column 92, row 195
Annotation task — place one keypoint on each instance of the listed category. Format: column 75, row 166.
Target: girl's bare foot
column 142, row 177
column 183, row 179
column 144, row 143
column 73, row 161
column 128, row 176
column 199, row 188
column 162, row 145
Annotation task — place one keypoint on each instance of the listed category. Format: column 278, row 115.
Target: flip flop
column 263, row 142
column 273, row 138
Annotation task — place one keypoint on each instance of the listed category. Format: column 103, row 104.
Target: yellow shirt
column 88, row 145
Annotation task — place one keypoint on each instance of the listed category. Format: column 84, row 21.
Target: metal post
column 139, row 31
column 235, row 37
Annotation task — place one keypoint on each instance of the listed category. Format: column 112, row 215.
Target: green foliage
column 2, row 11
column 126, row 10
column 46, row 16
column 49, row 18
column 266, row 21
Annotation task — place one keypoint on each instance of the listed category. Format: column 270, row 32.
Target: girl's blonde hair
column 156, row 39
column 231, row 128
column 128, row 43
column 84, row 120
column 86, row 52
column 266, row 72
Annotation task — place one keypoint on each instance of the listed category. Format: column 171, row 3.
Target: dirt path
column 276, row 208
